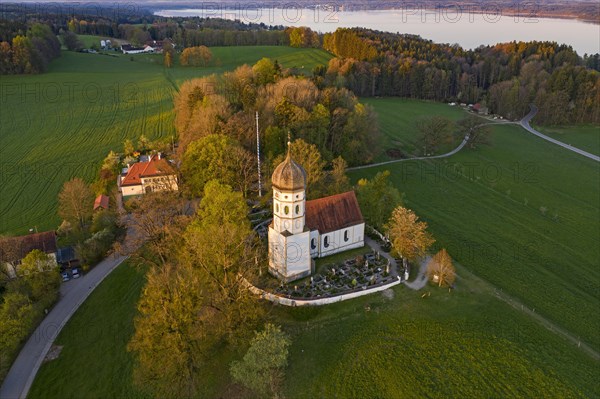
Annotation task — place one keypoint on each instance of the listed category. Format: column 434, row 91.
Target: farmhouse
column 146, row 177
column 302, row 230
column 157, row 46
column 129, row 49
column 14, row 249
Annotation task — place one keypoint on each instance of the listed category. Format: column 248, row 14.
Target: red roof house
column 145, row 177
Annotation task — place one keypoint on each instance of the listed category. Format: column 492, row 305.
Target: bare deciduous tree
column 440, row 269
column 75, row 202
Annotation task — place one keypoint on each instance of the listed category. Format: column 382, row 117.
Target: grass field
column 522, row 214
column 62, row 123
column 397, row 118
column 584, row 137
column 463, row 344
column 94, row 361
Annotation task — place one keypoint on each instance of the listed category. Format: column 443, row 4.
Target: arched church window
column 326, row 242
column 277, row 208
column 297, row 209
column 346, row 238
column 313, row 243
column 286, row 209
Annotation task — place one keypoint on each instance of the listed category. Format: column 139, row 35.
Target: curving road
column 525, row 124
column 454, row 151
column 73, row 293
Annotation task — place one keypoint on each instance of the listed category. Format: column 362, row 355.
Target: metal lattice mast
column 258, row 157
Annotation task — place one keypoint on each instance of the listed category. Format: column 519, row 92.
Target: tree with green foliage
column 217, row 157
column 220, row 244
column 378, row 198
column 262, row 368
column 409, row 236
column 171, row 342
column 128, row 147
column 264, row 71
column 196, row 301
column 71, row 40
column 143, row 143
column 39, row 272
column 16, row 319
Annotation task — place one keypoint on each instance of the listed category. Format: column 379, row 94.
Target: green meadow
column 61, row 124
column 397, row 123
column 522, row 214
column 585, row 137
column 466, row 343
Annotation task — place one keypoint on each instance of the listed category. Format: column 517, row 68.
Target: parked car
column 65, row 276
column 75, row 273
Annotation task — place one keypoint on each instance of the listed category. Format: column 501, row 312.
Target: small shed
column 101, row 202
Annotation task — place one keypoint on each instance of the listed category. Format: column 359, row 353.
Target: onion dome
column 288, row 175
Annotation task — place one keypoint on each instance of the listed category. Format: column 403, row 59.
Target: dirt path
column 421, row 280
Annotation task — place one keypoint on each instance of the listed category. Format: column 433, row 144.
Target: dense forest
column 507, row 77
column 330, row 118
column 29, row 49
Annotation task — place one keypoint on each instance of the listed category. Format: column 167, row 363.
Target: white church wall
column 298, row 256
column 276, row 253
column 356, row 239
column 314, row 238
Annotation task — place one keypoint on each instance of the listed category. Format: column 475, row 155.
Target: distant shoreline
column 504, row 11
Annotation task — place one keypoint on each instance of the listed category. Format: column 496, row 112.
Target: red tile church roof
column 333, row 213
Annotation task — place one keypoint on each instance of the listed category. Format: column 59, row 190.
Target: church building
column 302, row 230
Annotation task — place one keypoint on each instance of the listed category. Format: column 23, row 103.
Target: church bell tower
column 289, row 253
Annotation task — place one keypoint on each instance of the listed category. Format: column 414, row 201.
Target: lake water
column 467, row 28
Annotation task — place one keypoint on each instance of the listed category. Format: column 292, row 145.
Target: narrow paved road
column 525, row 124
column 454, row 151
column 22, row 373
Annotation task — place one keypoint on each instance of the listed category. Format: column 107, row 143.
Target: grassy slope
column 523, row 215
column 586, row 137
column 94, row 362
column 464, row 344
column 62, row 123
column 397, row 117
